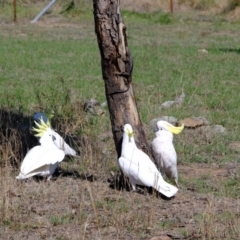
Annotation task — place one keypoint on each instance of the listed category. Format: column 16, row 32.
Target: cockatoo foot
column 176, row 182
column 49, row 177
column 141, row 191
column 133, row 188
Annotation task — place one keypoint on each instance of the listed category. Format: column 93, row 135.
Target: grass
column 55, row 65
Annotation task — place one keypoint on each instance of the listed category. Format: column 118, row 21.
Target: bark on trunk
column 117, row 66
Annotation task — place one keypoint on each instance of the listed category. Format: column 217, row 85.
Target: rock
column 202, row 50
column 177, row 101
column 161, row 238
column 93, row 106
column 219, row 129
column 167, row 104
column 104, row 104
column 193, row 122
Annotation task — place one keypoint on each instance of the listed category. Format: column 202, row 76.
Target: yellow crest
column 42, row 127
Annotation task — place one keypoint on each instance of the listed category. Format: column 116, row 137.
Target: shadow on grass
column 16, row 136
column 74, row 174
column 59, row 173
column 233, row 50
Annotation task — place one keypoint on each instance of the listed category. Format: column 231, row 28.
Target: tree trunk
column 117, row 66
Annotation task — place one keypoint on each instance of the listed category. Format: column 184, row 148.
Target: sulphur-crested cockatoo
column 42, row 160
column 136, row 165
column 163, row 150
column 59, row 142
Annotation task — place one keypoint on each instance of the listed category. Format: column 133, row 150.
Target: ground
column 71, row 207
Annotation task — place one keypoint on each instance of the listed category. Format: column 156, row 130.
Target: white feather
column 163, row 150
column 61, row 144
column 58, row 141
column 136, row 165
column 41, row 160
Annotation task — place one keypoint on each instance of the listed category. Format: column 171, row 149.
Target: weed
column 164, row 19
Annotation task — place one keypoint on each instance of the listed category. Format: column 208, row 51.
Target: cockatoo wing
column 142, row 171
column 61, row 144
column 165, row 157
column 30, row 158
column 136, row 157
column 46, row 170
column 38, row 157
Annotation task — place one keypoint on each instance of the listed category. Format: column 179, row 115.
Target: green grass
column 56, row 65
column 155, row 17
column 30, row 64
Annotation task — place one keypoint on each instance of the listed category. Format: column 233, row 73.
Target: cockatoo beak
column 175, row 130
column 130, row 134
column 155, row 129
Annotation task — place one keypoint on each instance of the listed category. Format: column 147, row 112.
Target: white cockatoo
column 59, row 141
column 42, row 160
column 163, row 150
column 136, row 165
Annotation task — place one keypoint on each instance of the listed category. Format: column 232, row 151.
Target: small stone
column 167, row 104
column 93, row 106
column 202, row 50
column 178, row 100
column 104, row 104
column 219, row 129
column 161, row 238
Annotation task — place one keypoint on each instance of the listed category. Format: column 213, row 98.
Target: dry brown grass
column 71, row 207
